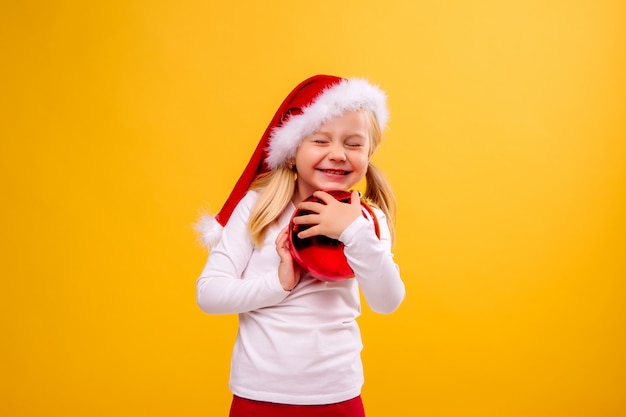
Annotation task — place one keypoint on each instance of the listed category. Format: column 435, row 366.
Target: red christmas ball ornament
column 320, row 255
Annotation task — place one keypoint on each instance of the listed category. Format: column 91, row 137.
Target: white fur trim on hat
column 348, row 95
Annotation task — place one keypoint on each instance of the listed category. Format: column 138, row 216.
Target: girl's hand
column 329, row 219
column 288, row 271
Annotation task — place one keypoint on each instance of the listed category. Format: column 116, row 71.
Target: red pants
column 242, row 407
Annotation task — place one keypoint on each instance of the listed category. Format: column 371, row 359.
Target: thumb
column 355, row 198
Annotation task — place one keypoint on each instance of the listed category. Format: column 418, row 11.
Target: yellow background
column 507, row 150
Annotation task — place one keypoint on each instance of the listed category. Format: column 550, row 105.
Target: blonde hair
column 276, row 190
column 378, row 190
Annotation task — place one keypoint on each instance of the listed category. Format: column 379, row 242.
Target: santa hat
column 312, row 103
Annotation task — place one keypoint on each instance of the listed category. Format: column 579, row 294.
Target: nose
column 337, row 153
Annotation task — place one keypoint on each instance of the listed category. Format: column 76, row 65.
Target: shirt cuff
column 349, row 235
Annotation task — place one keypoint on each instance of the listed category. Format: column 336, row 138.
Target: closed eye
column 319, row 138
column 355, row 141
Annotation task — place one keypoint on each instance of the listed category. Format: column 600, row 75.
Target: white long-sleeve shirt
column 302, row 346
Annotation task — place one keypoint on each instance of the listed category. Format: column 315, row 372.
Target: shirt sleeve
column 221, row 288
column 372, row 261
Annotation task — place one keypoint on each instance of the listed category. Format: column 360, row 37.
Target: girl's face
column 335, row 157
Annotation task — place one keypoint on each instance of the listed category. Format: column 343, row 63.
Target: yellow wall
column 507, row 148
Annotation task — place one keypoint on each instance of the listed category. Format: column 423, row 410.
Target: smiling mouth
column 335, row 171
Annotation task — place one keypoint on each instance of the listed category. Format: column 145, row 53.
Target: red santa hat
column 312, row 103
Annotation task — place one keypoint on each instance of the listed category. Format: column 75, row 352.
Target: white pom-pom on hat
column 209, row 230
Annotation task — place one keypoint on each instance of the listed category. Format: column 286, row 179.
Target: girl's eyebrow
column 344, row 135
column 356, row 135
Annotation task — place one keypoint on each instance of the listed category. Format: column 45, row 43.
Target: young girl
column 297, row 352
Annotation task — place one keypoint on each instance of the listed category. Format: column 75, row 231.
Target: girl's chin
column 327, row 188
column 334, row 185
